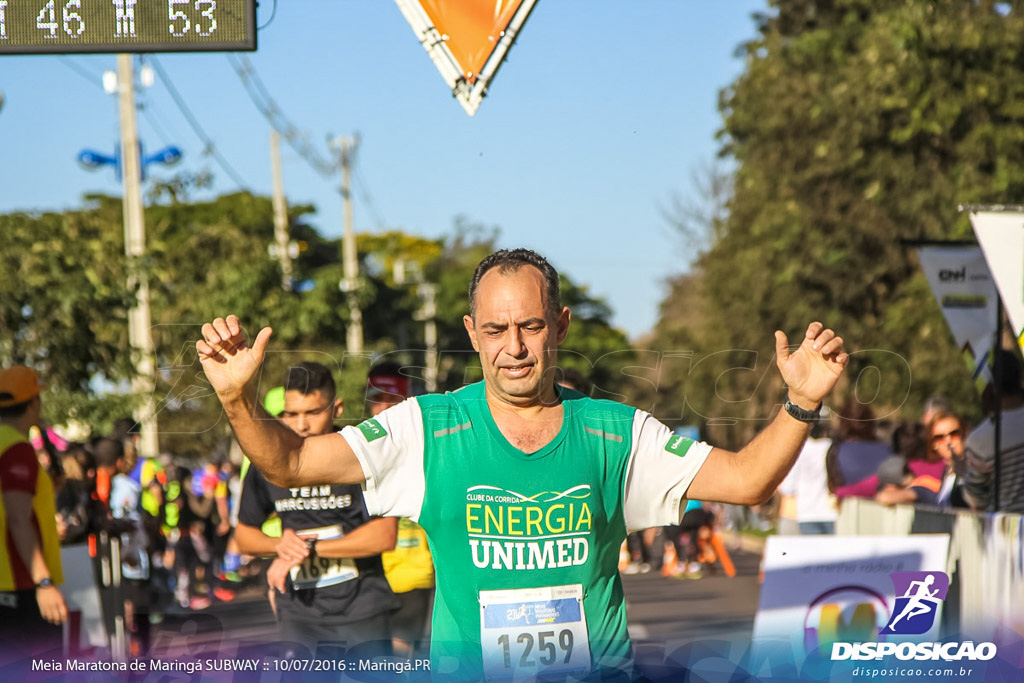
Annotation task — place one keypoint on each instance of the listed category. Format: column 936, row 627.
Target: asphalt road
column 674, row 623
column 702, row 627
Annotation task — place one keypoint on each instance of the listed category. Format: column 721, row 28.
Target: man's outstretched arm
column 285, row 458
column 750, row 476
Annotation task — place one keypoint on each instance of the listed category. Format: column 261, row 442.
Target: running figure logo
column 918, row 597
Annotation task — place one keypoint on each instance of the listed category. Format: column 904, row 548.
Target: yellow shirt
column 44, row 508
column 410, row 564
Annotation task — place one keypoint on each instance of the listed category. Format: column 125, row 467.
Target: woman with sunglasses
column 947, row 434
column 933, row 480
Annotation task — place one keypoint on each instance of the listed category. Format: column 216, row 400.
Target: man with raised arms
column 525, row 489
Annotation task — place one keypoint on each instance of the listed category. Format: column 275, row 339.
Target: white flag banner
column 960, row 280
column 1001, row 236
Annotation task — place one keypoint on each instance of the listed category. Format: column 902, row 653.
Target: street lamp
column 129, row 164
column 91, row 159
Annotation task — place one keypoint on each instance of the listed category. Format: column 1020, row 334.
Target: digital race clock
column 73, row 26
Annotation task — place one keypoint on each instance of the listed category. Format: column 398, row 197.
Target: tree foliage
column 65, row 300
column 855, row 125
column 64, row 291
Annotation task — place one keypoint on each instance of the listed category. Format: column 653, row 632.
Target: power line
column 145, row 105
column 297, row 139
column 208, row 145
column 148, row 108
column 151, row 117
column 265, row 103
column 81, row 71
column 367, row 200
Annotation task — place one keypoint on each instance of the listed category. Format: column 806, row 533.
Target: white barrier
column 82, row 596
column 986, row 561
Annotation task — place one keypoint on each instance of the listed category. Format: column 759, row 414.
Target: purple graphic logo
column 918, row 597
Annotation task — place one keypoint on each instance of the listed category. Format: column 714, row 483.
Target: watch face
column 44, row 583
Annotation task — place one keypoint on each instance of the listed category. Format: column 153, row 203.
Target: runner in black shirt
column 327, row 565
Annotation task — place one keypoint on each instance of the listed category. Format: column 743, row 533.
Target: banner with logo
column 962, row 284
column 467, row 41
column 1001, row 236
column 829, row 603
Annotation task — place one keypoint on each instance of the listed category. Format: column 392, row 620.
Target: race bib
column 530, row 631
column 318, row 572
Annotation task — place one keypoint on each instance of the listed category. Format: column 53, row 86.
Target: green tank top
column 526, row 546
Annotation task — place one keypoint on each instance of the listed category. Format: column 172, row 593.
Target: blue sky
column 596, row 122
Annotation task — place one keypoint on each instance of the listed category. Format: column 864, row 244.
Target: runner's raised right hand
column 228, row 360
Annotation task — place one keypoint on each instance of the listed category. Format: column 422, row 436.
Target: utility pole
column 428, row 292
column 409, row 272
column 354, row 339
column 144, row 382
column 280, row 213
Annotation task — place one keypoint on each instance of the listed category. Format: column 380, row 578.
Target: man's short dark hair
column 107, row 451
column 509, row 261
column 387, row 369
column 308, row 378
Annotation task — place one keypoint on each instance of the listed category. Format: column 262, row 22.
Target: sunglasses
column 954, row 434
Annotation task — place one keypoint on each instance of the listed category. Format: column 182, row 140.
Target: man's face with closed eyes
column 517, row 336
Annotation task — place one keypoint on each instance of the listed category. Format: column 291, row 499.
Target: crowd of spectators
column 174, row 520
column 938, row 461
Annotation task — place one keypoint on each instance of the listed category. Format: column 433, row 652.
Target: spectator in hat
column 32, row 607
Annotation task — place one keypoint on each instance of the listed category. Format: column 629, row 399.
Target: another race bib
column 318, row 572
column 530, row 631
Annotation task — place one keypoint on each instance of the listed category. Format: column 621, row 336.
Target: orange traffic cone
column 723, row 554
column 669, row 559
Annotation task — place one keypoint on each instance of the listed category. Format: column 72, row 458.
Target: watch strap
column 802, row 414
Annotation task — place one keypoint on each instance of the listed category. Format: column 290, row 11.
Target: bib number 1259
column 529, row 631
column 548, row 649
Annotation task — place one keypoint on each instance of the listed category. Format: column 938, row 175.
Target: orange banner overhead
column 471, row 29
column 467, row 39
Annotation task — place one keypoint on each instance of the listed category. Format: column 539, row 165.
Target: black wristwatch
column 798, row 413
column 312, row 546
column 45, row 583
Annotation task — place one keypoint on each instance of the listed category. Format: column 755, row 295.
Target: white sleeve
column 389, row 448
column 660, row 469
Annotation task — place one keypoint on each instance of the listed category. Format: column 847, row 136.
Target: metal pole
column 144, row 382
column 354, row 338
column 997, row 397
column 280, row 212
